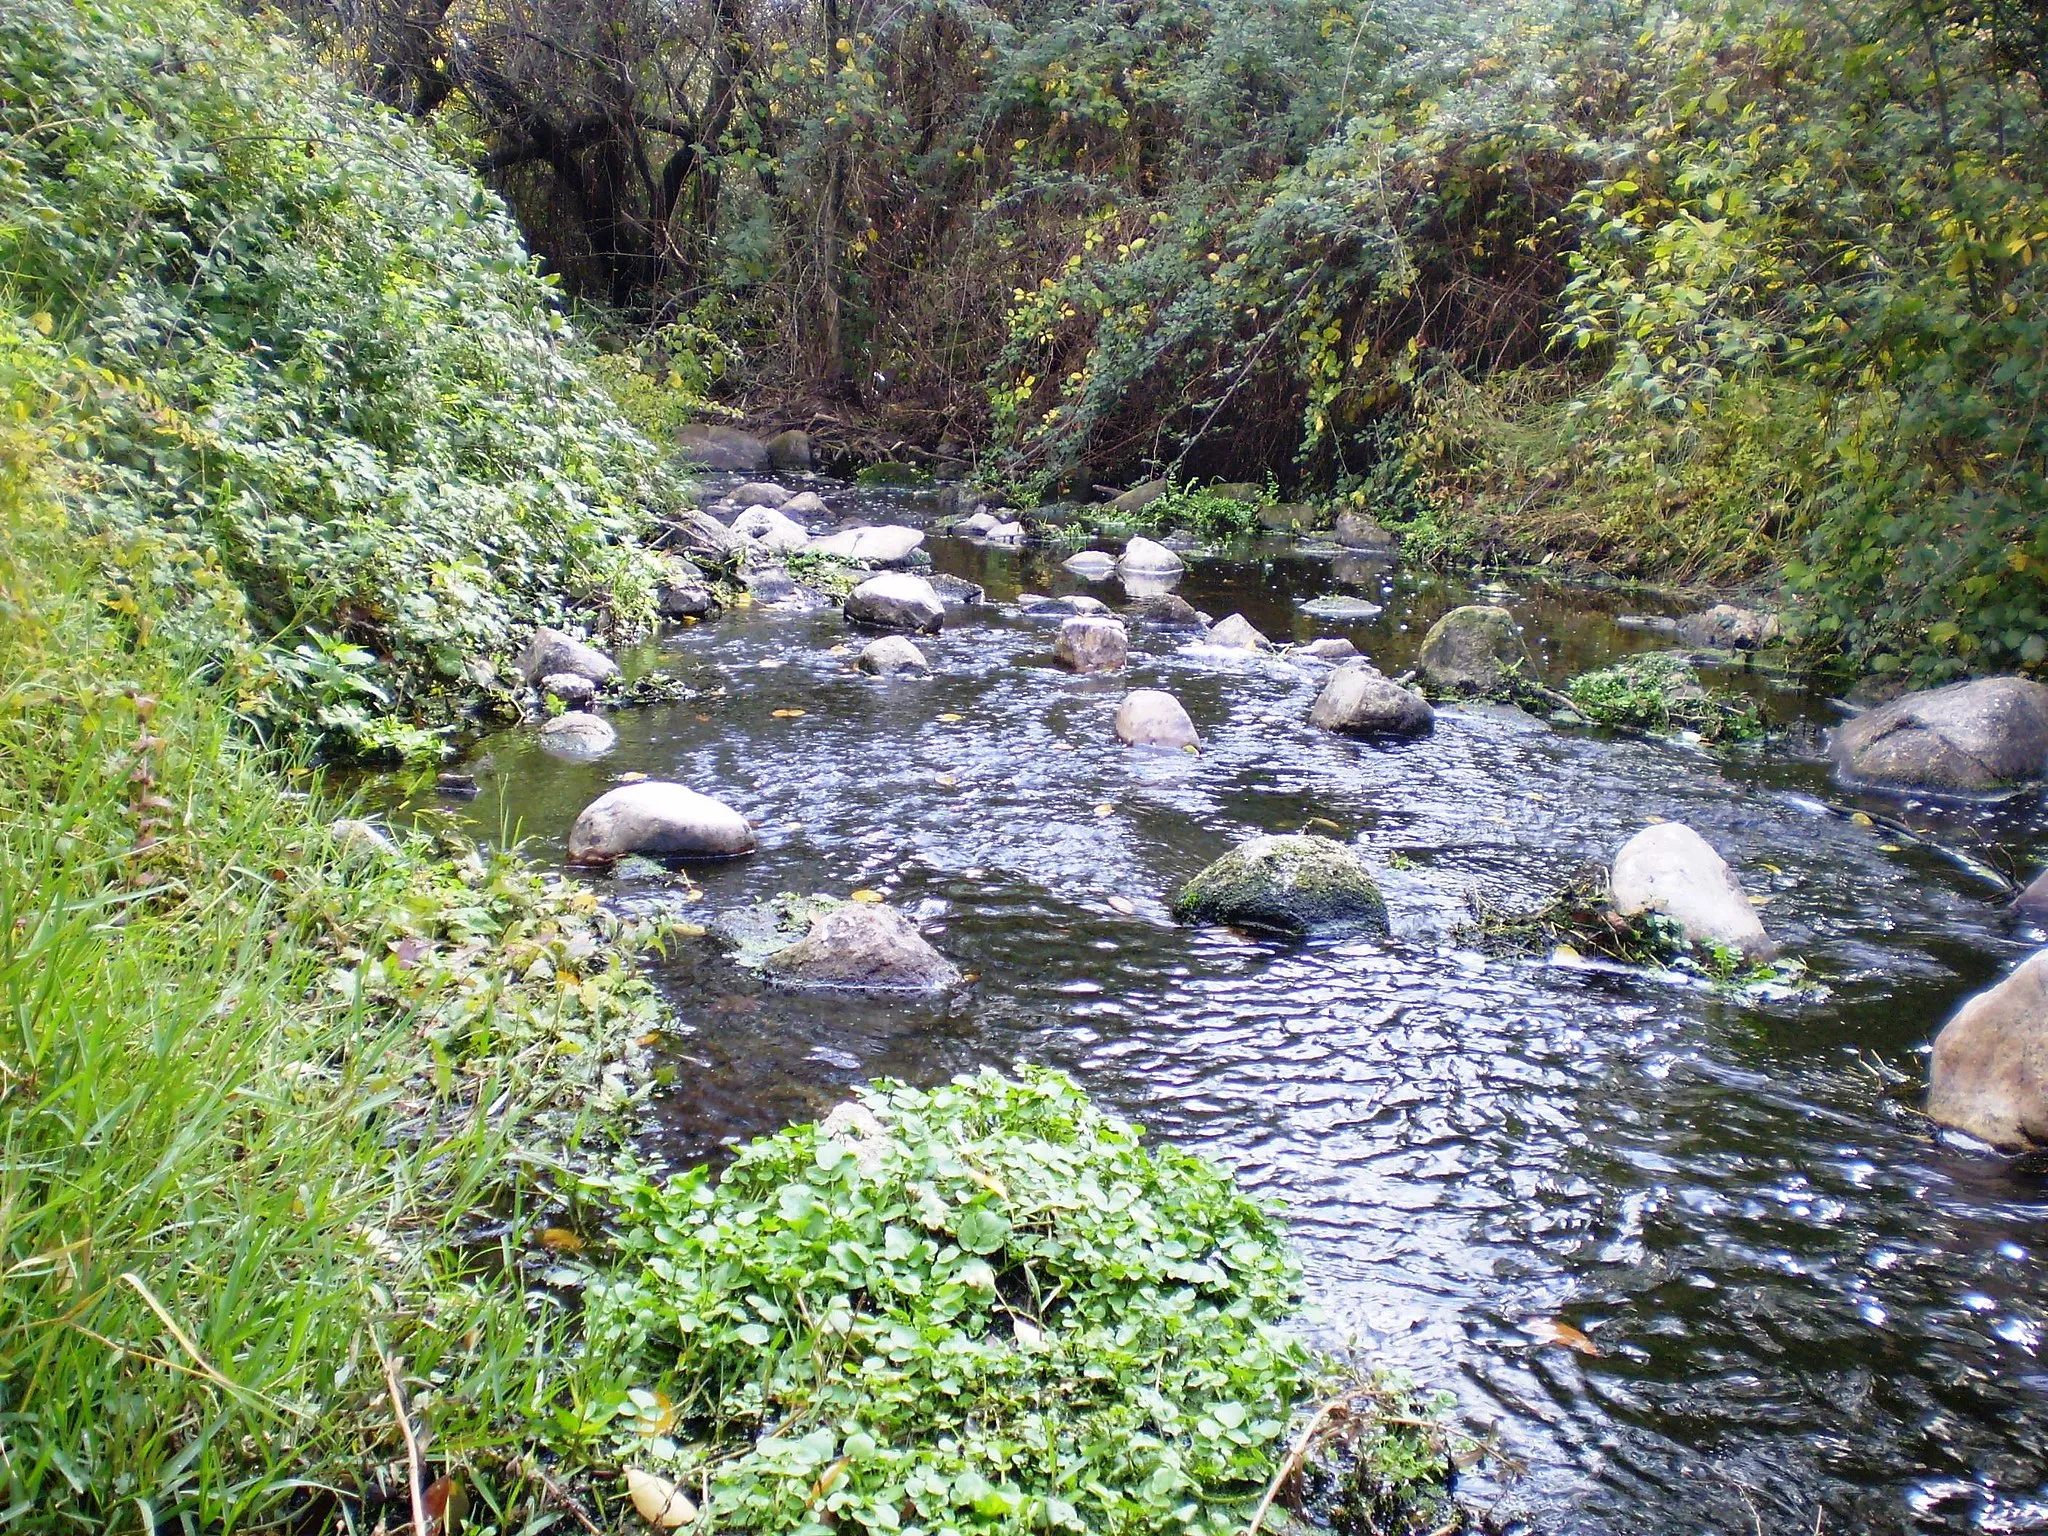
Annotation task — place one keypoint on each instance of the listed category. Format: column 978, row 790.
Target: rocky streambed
column 1683, row 1247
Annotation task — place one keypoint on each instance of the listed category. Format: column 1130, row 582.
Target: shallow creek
column 1811, row 1315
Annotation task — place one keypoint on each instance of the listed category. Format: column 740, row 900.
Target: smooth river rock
column 1355, row 530
column 1144, row 557
column 717, row 447
column 1968, row 738
column 1725, row 627
column 2032, row 903
column 863, row 947
column 805, row 504
column 1988, row 1076
column 1092, row 645
column 896, row 600
column 890, row 544
column 1091, row 564
column 572, row 688
column 702, row 537
column 551, row 650
column 1295, row 885
column 759, row 493
column 1359, row 700
column 1237, row 633
column 1474, row 650
column 771, row 530
column 577, row 734
column 892, row 655
column 1330, row 648
column 683, row 592
column 1139, row 497
column 657, row 817
column 789, row 449
column 1670, row 868
column 1148, row 717
column 1166, row 610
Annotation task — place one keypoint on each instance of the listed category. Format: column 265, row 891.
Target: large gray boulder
column 1092, row 645
column 1359, row 700
column 759, row 493
column 887, row 545
column 1671, row 869
column 1988, row 1076
column 722, row 448
column 1355, row 530
column 656, row 817
column 702, row 537
column 551, row 650
column 957, row 591
column 1725, row 627
column 1149, row 718
column 1166, row 610
column 1968, row 738
column 896, row 600
column 863, row 947
column 1147, row 557
column 789, row 449
column 1238, row 634
column 768, row 529
column 891, row 655
column 1139, row 497
column 1296, row 885
column 683, row 592
column 577, row 734
column 1474, row 650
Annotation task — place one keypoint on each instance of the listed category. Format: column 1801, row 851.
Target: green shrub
column 985, row 1307
column 301, row 347
column 1660, row 692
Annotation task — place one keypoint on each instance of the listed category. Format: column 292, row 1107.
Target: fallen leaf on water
column 944, row 780
column 1761, row 901
column 743, row 600
column 652, row 1037
column 840, row 650
column 1655, row 821
column 1122, row 904
column 787, row 714
column 1550, row 1331
column 970, row 975
column 689, row 930
column 629, row 778
column 867, row 896
column 1771, row 869
column 951, row 719
column 1105, row 809
column 1323, row 821
column 659, row 1501
column 1891, row 847
column 770, row 664
column 1564, row 954
column 560, row 1240
column 703, row 719
column 1861, row 819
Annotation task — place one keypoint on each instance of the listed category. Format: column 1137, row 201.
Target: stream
column 1811, row 1314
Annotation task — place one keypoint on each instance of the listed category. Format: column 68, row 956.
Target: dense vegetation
column 1717, row 291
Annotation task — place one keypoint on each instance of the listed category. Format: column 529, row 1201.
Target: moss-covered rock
column 1289, row 884
column 1474, row 650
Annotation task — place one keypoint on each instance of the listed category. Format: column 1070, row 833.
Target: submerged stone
column 1292, row 884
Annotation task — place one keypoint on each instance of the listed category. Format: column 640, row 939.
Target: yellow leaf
column 41, row 321
column 1771, row 869
column 1861, row 819
column 951, row 719
column 1891, row 847
column 787, row 714
column 1122, row 904
column 866, row 896
column 1105, row 809
column 560, row 1240
column 660, row 1502
column 1564, row 954
column 1655, row 821
column 1549, row 1331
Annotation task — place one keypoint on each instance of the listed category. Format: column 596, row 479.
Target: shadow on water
column 1810, row 1314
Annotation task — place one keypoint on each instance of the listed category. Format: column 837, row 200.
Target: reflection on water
column 1810, row 1314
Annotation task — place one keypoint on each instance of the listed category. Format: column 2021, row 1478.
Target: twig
column 414, row 1471
column 563, row 1497
column 1296, row 1454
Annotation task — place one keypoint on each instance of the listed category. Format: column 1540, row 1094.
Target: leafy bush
column 983, row 1307
column 300, row 347
column 1660, row 692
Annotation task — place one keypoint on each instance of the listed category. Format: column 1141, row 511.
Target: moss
column 1295, row 885
column 1660, row 692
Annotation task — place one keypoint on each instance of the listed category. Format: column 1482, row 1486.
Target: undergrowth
column 1660, row 692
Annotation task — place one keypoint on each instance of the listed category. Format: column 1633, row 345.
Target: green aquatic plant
column 983, row 1307
column 1661, row 692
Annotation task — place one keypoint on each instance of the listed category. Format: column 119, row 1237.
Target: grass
column 1661, row 693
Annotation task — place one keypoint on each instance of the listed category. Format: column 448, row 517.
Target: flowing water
column 1811, row 1314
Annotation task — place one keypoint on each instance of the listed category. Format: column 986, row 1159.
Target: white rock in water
column 759, row 493
column 658, row 817
column 805, row 504
column 890, row 655
column 1148, row 717
column 886, row 545
column 1143, row 557
column 1670, row 868
column 577, row 734
column 1092, row 564
column 1238, row 633
column 896, row 600
column 770, row 530
column 550, row 650
column 1006, row 533
column 1092, row 645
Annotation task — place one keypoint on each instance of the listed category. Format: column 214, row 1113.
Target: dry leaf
column 1861, row 819
column 1105, row 809
column 1122, row 904
column 1771, row 869
column 445, row 1502
column 689, row 930
column 1564, row 954
column 703, row 719
column 951, row 719
column 944, row 780
column 628, row 778
column 787, row 714
column 1550, row 1331
column 1654, row 821
column 652, row 1037
column 867, row 896
column 828, row 1479
column 560, row 1240
column 1029, row 1334
column 659, row 1501
column 1891, row 847
column 1324, row 821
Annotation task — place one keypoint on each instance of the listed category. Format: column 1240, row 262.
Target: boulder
column 1329, row 648
column 722, row 448
column 1005, row 533
column 1968, row 738
column 1139, row 497
column 357, row 837
column 790, row 449
column 1144, row 557
column 1150, row 718
column 1358, row 700
column 550, row 650
column 2032, row 903
column 1473, row 650
column 1237, row 634
column 890, row 655
column 896, row 600
column 864, row 947
column 976, row 526
column 768, row 529
column 1669, row 868
column 1091, row 564
column 1290, row 517
column 1165, row 610
column 806, row 504
column 1988, row 1076
column 1295, row 885
column 702, row 537
column 759, row 493
column 1345, row 610
column 769, row 584
column 577, row 734
column 1040, row 606
column 1357, row 531
column 891, row 544
column 957, row 591
column 1092, row 645
column 682, row 592
column 657, row 817
column 1724, row 627
column 572, row 688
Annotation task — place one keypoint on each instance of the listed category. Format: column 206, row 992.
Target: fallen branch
column 415, row 1470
